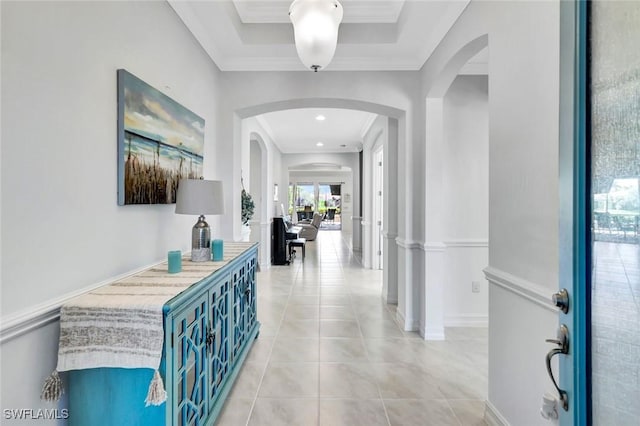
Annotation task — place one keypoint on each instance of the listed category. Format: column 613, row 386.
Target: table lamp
column 200, row 197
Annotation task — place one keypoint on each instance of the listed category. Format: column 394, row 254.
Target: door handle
column 562, row 347
column 210, row 340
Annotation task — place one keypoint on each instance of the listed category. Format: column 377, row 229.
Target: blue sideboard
column 209, row 328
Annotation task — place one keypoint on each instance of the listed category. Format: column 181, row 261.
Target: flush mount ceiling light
column 319, row 144
column 320, row 117
column 315, row 26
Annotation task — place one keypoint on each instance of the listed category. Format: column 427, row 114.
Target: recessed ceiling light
column 320, row 117
column 319, row 144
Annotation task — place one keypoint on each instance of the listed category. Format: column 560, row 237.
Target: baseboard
column 492, row 416
column 404, row 323
column 26, row 320
column 467, row 321
column 433, row 333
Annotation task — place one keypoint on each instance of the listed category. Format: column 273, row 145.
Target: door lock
column 562, row 347
column 561, row 300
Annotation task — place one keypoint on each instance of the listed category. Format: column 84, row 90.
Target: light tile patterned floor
column 329, row 353
column 616, row 334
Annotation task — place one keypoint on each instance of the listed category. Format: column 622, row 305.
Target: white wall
column 523, row 192
column 465, row 200
column 394, row 94
column 258, row 147
column 62, row 230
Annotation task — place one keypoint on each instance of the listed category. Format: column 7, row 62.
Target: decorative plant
column 247, row 206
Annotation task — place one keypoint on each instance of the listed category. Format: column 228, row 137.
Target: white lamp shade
column 199, row 197
column 315, row 25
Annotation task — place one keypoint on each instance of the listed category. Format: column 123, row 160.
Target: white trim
column 408, row 244
column 433, row 246
column 474, row 68
column 433, row 333
column 292, row 62
column 266, row 127
column 370, row 119
column 471, row 243
column 388, row 235
column 531, row 291
column 466, row 320
column 403, row 322
column 26, row 320
column 492, row 416
column 257, row 12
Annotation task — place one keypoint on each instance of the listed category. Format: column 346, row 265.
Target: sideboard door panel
column 250, row 292
column 239, row 276
column 219, row 342
column 190, row 372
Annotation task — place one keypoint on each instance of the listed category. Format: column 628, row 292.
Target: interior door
column 600, row 209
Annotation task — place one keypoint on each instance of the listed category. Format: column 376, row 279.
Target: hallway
column 330, row 354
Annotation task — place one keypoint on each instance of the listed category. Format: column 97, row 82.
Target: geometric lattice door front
column 218, row 337
column 190, row 369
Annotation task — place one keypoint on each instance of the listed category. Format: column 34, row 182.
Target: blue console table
column 209, row 327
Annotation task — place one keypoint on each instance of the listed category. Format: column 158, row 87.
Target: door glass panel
column 615, row 170
column 305, row 200
column 329, row 204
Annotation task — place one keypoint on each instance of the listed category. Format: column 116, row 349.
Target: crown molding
column 277, row 11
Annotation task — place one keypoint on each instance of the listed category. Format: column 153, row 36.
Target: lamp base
column 201, row 241
column 201, row 254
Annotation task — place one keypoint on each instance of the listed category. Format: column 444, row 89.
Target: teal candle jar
column 217, row 250
column 174, row 261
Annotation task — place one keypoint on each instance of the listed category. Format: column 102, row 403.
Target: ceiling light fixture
column 319, row 144
column 315, row 26
column 320, row 117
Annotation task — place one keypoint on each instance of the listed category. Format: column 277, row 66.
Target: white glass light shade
column 315, row 25
column 199, row 197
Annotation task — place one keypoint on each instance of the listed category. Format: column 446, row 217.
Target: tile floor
column 616, row 334
column 329, row 353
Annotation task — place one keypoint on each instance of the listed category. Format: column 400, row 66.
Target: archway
column 433, row 306
column 397, row 131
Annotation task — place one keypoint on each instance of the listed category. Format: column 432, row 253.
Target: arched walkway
column 433, row 306
column 280, row 177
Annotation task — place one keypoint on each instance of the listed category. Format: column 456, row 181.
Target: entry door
column 600, row 199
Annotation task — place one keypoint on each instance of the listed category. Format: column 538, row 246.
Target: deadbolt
column 561, row 300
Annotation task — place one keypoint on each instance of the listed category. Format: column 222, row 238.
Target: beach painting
column 159, row 143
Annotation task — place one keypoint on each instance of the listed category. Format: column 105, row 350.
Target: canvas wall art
column 159, row 143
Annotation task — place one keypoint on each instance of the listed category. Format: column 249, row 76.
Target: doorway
column 378, row 208
column 601, row 210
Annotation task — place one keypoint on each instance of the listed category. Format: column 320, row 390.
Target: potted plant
column 247, row 213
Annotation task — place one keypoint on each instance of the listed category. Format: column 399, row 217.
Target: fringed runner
column 121, row 325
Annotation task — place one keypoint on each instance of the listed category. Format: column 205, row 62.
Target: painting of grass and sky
column 159, row 143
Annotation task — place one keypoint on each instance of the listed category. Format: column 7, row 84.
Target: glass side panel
column 330, row 204
column 615, row 170
column 305, row 200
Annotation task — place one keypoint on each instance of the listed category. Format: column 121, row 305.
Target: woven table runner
column 120, row 325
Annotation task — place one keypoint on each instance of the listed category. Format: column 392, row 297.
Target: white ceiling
column 256, row 35
column 250, row 35
column 297, row 130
